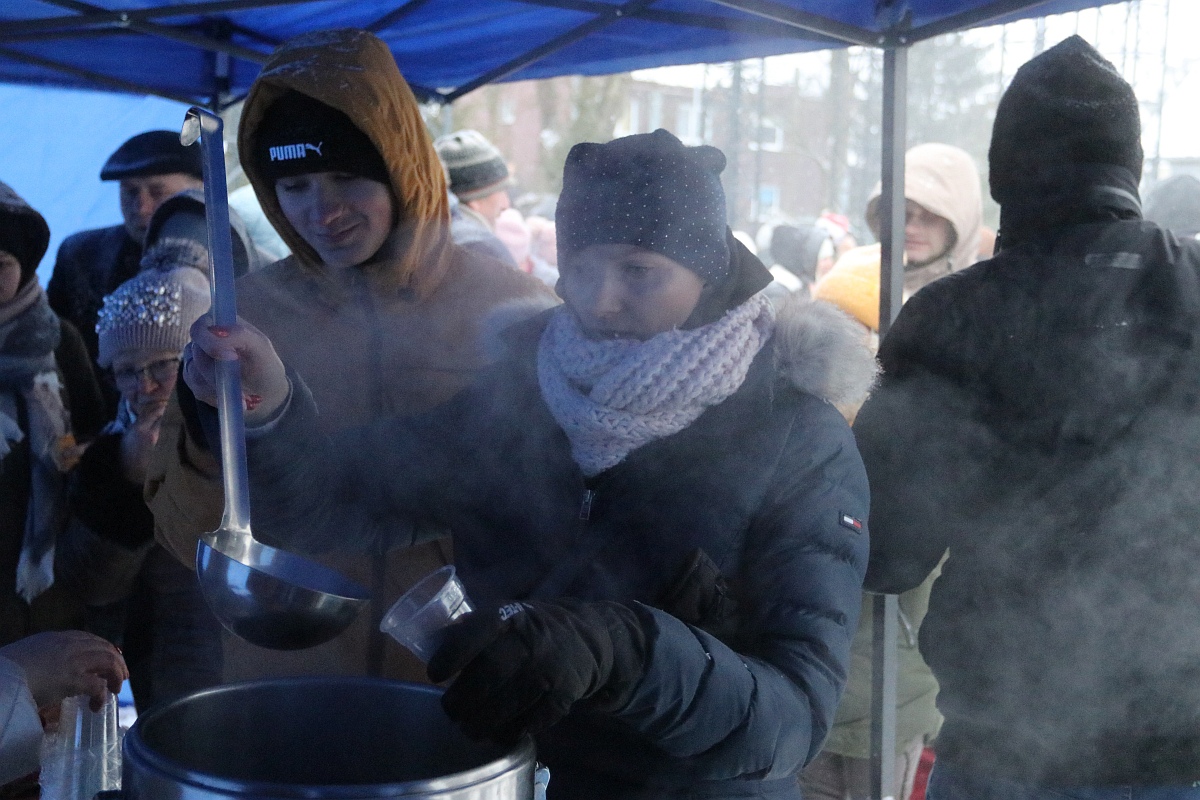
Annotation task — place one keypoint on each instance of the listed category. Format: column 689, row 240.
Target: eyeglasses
column 158, row 372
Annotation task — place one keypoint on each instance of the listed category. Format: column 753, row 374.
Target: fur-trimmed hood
column 823, row 351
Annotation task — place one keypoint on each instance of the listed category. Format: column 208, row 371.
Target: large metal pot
column 318, row 737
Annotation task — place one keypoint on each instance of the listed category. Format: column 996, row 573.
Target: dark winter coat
column 57, row 608
column 90, row 265
column 767, row 483
column 142, row 598
column 468, row 230
column 1039, row 417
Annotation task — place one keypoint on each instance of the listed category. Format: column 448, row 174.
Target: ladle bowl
column 267, row 596
column 283, row 601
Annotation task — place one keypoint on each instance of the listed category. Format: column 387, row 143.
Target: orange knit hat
column 853, row 285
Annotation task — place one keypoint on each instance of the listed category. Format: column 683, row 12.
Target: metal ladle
column 267, row 596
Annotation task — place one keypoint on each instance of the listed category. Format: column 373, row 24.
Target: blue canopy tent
column 208, row 53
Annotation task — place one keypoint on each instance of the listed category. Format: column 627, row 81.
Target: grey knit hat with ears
column 152, row 311
column 651, row 191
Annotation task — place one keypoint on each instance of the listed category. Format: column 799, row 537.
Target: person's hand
column 264, row 381
column 523, row 666
column 68, row 663
column 139, row 439
column 67, row 453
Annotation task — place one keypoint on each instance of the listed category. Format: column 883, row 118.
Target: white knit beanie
column 152, row 311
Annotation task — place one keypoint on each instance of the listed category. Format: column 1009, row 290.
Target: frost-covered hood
column 354, row 72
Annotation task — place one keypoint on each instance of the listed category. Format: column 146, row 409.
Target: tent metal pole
column 885, row 608
column 811, row 23
column 113, row 84
column 891, row 199
column 971, row 19
column 886, row 611
column 395, row 15
column 173, row 34
column 752, row 26
column 106, row 17
column 50, row 36
column 559, row 42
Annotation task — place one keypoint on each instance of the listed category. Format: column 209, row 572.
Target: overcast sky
column 1133, row 35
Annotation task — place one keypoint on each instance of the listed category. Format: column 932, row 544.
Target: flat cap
column 152, row 153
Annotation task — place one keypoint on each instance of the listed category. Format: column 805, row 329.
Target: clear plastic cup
column 417, row 619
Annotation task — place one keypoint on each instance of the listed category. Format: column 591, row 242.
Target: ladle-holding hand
column 265, row 383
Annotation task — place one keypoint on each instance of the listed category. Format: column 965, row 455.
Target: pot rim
column 516, row 757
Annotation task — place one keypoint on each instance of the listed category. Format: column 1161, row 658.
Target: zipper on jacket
column 585, row 506
column 591, row 487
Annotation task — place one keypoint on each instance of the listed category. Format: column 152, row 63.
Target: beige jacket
column 395, row 337
column 943, row 179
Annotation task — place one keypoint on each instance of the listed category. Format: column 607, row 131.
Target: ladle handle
column 208, row 127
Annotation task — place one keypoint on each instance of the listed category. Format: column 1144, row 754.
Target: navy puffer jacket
column 768, row 484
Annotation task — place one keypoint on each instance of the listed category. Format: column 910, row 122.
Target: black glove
column 701, row 596
column 523, row 666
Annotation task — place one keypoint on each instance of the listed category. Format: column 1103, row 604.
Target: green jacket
column 916, row 688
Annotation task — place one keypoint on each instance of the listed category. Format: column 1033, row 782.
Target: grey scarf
column 29, row 334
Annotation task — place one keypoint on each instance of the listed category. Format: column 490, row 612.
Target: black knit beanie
column 1066, row 107
column 299, row 135
column 651, row 191
column 799, row 249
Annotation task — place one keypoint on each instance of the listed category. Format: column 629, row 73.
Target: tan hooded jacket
column 386, row 338
column 944, row 180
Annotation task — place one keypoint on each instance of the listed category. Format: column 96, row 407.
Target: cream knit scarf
column 611, row 397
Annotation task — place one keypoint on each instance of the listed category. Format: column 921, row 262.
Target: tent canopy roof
column 209, row 52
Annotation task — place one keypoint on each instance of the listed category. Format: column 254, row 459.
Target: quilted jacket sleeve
column 110, row 530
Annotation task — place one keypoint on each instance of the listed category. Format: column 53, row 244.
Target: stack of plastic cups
column 84, row 756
